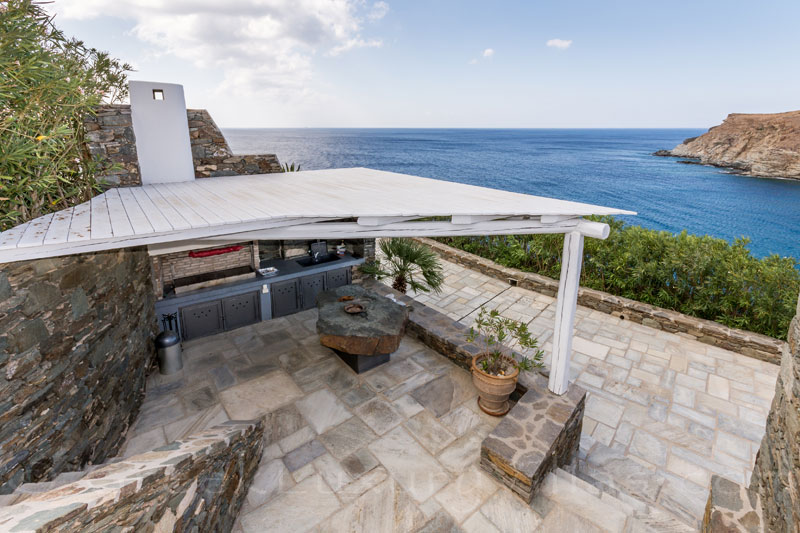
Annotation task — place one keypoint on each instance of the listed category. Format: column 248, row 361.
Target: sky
column 456, row 63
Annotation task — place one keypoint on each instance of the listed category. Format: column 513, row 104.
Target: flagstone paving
column 394, row 449
column 679, row 409
column 397, row 448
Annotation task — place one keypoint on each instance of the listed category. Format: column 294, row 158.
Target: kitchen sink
column 309, row 261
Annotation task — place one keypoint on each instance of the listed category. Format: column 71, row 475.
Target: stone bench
column 540, row 433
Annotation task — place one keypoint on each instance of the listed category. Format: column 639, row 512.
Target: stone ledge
column 709, row 332
column 540, row 433
column 732, row 508
column 198, row 483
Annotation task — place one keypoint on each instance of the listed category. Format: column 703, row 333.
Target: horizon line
column 464, row 127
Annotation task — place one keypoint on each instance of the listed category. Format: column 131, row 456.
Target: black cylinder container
column 170, row 359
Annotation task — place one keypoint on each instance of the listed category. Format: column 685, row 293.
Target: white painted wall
column 162, row 132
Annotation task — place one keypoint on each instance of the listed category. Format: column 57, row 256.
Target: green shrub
column 696, row 275
column 48, row 84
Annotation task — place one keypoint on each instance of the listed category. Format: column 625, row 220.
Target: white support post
column 565, row 311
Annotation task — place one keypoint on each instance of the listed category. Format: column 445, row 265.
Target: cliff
column 765, row 145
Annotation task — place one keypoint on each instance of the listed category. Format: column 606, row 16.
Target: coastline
column 728, row 167
column 759, row 145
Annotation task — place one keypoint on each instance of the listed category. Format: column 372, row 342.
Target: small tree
column 409, row 263
column 48, row 84
column 491, row 331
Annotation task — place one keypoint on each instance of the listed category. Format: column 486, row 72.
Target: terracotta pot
column 493, row 391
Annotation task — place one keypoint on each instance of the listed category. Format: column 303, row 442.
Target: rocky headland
column 766, row 145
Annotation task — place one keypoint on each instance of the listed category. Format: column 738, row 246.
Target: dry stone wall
column 772, row 501
column 75, row 344
column 776, row 476
column 195, row 484
column 111, row 140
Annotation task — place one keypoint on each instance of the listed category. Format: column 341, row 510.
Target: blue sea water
column 611, row 167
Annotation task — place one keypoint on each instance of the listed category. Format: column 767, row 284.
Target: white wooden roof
column 309, row 204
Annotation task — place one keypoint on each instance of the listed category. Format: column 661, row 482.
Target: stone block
column 540, row 433
column 732, row 508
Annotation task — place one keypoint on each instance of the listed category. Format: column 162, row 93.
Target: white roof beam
column 472, row 219
column 351, row 230
column 553, row 219
column 381, row 221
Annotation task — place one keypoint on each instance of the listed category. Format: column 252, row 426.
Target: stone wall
column 195, row 484
column 212, row 155
column 776, row 476
column 111, row 140
column 712, row 333
column 75, row 344
column 772, row 501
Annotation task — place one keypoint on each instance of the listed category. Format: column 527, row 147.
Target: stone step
column 628, row 481
column 583, row 503
column 580, row 498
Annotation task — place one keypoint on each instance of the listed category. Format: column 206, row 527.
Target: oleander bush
column 48, row 84
column 701, row 276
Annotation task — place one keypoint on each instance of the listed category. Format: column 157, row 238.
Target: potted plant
column 494, row 373
column 408, row 263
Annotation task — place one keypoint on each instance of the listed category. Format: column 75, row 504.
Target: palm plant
column 294, row 167
column 409, row 264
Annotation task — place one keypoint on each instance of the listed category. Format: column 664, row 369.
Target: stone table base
column 362, row 363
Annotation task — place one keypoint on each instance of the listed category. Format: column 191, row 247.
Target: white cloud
column 378, row 11
column 486, row 54
column 561, row 44
column 260, row 46
column 355, row 43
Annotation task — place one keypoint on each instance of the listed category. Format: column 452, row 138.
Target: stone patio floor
column 397, row 448
column 681, row 409
column 392, row 449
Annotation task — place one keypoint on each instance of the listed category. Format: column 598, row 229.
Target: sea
column 610, row 167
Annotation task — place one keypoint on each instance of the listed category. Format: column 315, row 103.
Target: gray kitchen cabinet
column 310, row 286
column 240, row 310
column 212, row 317
column 285, row 298
column 202, row 319
column 337, row 278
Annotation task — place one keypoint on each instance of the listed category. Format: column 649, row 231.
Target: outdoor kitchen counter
column 287, row 269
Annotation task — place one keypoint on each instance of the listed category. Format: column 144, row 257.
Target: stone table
column 363, row 340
